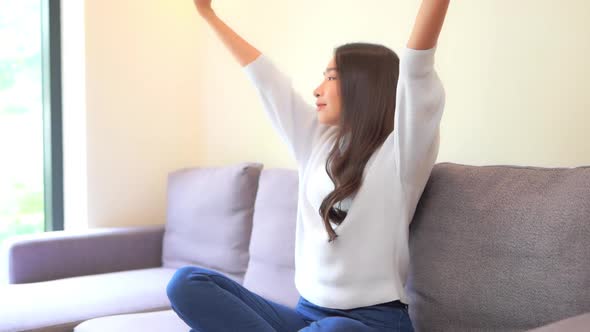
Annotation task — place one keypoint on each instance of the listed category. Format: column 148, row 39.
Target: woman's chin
column 325, row 122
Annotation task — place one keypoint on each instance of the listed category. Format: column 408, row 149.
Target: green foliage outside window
column 21, row 119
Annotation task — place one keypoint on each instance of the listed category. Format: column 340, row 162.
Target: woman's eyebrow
column 330, row 69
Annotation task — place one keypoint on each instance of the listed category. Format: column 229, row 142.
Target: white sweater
column 368, row 263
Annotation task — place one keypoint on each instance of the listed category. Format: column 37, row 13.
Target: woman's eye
column 331, row 78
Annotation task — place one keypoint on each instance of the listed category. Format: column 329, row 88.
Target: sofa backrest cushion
column 500, row 248
column 271, row 270
column 209, row 217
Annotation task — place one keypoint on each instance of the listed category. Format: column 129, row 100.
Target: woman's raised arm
column 242, row 51
column 428, row 24
column 291, row 116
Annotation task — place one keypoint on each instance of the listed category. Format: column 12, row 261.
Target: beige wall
column 162, row 93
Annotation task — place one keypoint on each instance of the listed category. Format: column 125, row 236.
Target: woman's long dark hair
column 368, row 75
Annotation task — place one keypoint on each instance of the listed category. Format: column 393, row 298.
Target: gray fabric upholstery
column 209, row 217
column 271, row 270
column 160, row 321
column 58, row 305
column 579, row 323
column 87, row 252
column 493, row 248
column 500, row 248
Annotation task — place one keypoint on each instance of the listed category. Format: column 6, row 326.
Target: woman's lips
column 320, row 106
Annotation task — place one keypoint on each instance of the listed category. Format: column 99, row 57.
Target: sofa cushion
column 579, row 323
column 271, row 270
column 500, row 248
column 59, row 305
column 209, row 217
column 159, row 321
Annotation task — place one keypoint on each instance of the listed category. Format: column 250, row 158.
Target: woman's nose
column 315, row 93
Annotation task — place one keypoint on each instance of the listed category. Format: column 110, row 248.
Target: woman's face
column 328, row 96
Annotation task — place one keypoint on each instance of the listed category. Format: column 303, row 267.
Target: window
column 31, row 176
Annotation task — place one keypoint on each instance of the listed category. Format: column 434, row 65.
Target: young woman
column 364, row 157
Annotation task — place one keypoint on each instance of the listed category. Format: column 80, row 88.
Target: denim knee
column 179, row 284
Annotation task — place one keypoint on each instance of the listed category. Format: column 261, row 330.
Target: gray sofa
column 493, row 248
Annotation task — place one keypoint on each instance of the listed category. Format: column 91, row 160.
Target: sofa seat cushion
column 64, row 303
column 159, row 321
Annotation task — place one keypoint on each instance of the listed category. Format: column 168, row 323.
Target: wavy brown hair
column 368, row 75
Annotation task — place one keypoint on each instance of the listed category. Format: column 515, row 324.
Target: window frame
column 52, row 115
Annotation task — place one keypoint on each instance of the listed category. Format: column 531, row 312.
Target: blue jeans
column 208, row 301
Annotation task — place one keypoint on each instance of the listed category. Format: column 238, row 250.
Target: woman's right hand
column 203, row 6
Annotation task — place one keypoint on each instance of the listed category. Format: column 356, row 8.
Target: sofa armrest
column 578, row 323
column 63, row 254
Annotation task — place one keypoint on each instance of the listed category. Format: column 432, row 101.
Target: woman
column 364, row 159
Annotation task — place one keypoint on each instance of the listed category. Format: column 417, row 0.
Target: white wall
column 162, row 93
column 73, row 39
